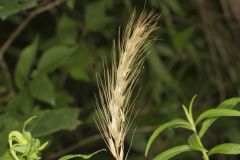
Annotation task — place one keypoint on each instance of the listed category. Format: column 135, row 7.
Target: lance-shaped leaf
column 24, row 64
column 218, row 112
column 228, row 104
column 174, row 123
column 195, row 143
column 172, row 152
column 226, row 148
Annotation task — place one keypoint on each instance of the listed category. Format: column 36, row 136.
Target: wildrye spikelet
column 115, row 108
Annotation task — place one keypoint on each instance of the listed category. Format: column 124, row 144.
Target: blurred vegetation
column 51, row 51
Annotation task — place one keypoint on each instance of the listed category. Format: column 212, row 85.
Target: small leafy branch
column 206, row 119
column 22, row 146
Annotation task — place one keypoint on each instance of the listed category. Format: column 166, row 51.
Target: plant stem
column 203, row 150
column 204, row 153
column 205, row 156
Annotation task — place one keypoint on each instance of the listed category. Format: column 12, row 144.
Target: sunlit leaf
column 228, row 104
column 194, row 143
column 172, row 152
column 177, row 123
column 218, row 112
column 226, row 148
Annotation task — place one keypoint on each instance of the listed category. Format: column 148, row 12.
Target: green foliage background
column 50, row 70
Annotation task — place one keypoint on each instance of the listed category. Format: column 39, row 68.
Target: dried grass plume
column 115, row 105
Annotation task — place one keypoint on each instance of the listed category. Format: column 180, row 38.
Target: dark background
column 50, row 68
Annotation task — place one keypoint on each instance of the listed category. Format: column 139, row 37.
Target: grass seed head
column 115, row 107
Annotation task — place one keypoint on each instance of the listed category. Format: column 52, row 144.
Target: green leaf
column 191, row 106
column 42, row 89
column 226, row 148
column 79, row 62
column 218, row 112
column 24, row 64
column 195, row 143
column 63, row 99
column 95, row 17
column 27, row 122
column 53, row 121
column 206, row 124
column 172, row 152
column 54, row 58
column 84, row 156
column 189, row 118
column 10, row 7
column 67, row 30
column 21, row 102
column 177, row 123
column 228, row 104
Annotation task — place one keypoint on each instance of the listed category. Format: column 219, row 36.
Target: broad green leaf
column 226, row 148
column 54, row 58
column 95, row 16
column 218, row 112
column 10, row 7
column 21, row 102
column 172, row 152
column 194, row 143
column 84, row 156
column 178, row 123
column 67, row 30
column 24, row 64
column 79, row 62
column 50, row 122
column 228, row 104
column 42, row 89
column 63, row 99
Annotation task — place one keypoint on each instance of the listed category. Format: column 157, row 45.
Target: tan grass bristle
column 115, row 106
